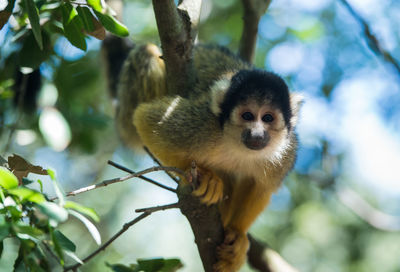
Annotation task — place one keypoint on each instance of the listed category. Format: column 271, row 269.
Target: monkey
column 237, row 125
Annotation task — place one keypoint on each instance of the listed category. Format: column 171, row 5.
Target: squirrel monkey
column 237, row 125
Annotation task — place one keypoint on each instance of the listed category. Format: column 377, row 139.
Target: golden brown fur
column 179, row 130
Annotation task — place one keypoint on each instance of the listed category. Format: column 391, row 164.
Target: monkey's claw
column 210, row 189
column 232, row 253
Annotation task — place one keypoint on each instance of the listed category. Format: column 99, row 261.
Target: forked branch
column 177, row 30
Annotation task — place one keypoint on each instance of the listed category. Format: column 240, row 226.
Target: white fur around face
column 218, row 91
column 230, row 154
column 296, row 101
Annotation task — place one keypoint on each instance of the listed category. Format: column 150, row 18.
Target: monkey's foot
column 210, row 189
column 233, row 252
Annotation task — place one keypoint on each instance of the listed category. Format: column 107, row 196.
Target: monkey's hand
column 209, row 187
column 232, row 253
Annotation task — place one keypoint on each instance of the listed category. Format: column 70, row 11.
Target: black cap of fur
column 258, row 85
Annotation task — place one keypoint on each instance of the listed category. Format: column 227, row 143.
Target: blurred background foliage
column 339, row 210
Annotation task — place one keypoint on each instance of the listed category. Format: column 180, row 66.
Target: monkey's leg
column 249, row 198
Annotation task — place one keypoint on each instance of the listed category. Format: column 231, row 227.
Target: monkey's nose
column 255, row 141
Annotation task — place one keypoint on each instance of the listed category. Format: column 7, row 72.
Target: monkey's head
column 256, row 111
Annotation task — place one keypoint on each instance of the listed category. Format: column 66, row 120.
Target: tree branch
column 112, row 239
column 252, row 12
column 115, row 180
column 159, row 208
column 123, row 168
column 366, row 212
column 206, row 224
column 264, row 259
column 204, row 220
column 177, row 37
column 372, row 41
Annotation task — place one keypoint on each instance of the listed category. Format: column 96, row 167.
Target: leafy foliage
column 33, row 30
column 28, row 216
column 149, row 265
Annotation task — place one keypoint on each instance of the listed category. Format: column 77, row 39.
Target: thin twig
column 372, row 41
column 367, row 212
column 106, row 244
column 115, row 180
column 159, row 163
column 158, row 208
column 50, row 251
column 123, row 168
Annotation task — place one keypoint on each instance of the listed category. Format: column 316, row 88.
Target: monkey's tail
column 142, row 79
column 114, row 51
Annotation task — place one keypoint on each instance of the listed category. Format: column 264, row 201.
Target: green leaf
column 50, row 6
column 52, row 174
column 26, row 194
column 56, row 186
column 112, row 24
column 24, row 232
column 15, row 212
column 86, row 17
column 73, row 26
column 41, row 185
column 57, row 247
column 33, row 15
column 53, row 211
column 96, row 5
column 82, row 209
column 121, row 267
column 4, row 231
column 171, row 265
column 159, row 265
column 64, row 242
column 18, row 263
column 73, row 256
column 7, row 179
column 89, row 225
column 26, row 181
column 30, row 54
column 35, row 263
column 59, row 193
column 151, row 265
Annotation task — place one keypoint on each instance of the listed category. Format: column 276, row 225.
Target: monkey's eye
column 248, row 116
column 267, row 118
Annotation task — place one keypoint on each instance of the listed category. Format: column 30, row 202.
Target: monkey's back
column 213, row 61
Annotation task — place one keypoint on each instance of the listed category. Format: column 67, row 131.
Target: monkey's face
column 257, row 126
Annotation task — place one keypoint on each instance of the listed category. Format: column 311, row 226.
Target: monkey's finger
column 207, row 197
column 202, row 189
column 218, row 191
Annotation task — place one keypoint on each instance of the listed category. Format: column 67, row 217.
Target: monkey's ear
column 296, row 101
column 218, row 91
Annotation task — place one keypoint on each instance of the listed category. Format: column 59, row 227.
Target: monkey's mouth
column 255, row 144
